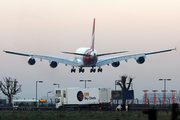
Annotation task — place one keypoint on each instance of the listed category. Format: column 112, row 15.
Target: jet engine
column 140, row 60
column 31, row 61
column 53, row 64
column 115, row 64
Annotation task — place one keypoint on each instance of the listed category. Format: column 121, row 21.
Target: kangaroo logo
column 80, row 96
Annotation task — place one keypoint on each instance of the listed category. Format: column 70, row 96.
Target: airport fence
column 113, row 107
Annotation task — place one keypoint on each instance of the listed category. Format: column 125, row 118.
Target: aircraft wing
column 58, row 59
column 109, row 60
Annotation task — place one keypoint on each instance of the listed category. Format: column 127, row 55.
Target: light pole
column 85, row 81
column 36, row 90
column 165, row 86
column 47, row 97
column 56, row 84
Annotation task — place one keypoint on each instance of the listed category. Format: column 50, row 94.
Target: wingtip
column 175, row 48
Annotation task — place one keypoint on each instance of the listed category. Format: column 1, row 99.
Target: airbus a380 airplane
column 88, row 57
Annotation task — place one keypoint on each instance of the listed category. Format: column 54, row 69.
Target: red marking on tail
column 93, row 35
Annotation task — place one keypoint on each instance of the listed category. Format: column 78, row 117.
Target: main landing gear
column 99, row 69
column 73, row 70
column 81, row 70
column 94, row 70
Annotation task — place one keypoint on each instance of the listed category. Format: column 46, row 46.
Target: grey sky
column 48, row 27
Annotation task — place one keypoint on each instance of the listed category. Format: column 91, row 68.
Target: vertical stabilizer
column 93, row 35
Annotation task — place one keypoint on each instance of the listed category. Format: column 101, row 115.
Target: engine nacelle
column 53, row 64
column 31, row 61
column 140, row 60
column 115, row 64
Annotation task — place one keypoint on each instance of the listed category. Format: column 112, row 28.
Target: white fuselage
column 86, row 61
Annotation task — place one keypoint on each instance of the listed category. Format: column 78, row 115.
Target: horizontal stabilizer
column 77, row 54
column 111, row 53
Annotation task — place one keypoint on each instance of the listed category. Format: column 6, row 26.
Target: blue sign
column 80, row 96
column 128, row 94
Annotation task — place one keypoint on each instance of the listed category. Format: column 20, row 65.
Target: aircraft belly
column 88, row 62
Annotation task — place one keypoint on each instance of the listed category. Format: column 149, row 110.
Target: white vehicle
column 88, row 57
column 83, row 98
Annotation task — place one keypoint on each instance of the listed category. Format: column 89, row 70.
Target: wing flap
column 59, row 59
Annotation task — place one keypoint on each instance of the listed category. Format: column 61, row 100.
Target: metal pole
column 115, row 85
column 36, row 93
column 165, row 87
column 179, row 96
column 51, row 101
column 56, row 84
column 47, row 99
column 85, row 83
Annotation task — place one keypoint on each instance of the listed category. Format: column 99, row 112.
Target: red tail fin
column 93, row 35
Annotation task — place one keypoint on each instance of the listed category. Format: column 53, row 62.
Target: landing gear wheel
column 99, row 69
column 81, row 70
column 73, row 70
column 92, row 70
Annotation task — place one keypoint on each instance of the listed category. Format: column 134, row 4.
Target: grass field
column 79, row 115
